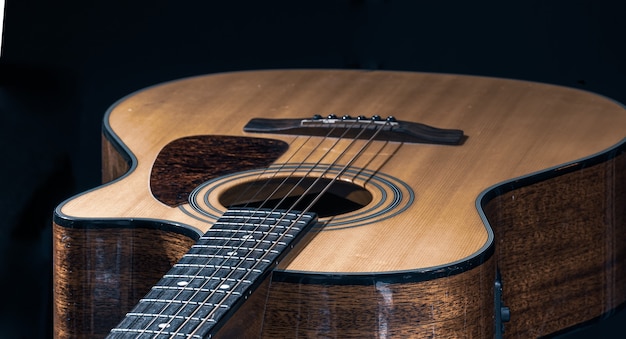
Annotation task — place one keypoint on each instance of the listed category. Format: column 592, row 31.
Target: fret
column 233, row 252
column 190, row 263
column 244, row 234
column 212, row 290
column 265, row 225
column 260, row 213
column 159, row 324
column 245, row 238
column 247, row 228
column 247, row 264
column 184, row 318
column 229, row 250
column 224, row 258
column 134, row 321
column 226, row 264
column 224, row 288
column 148, row 334
column 219, row 271
column 262, row 248
column 217, row 278
column 214, row 233
column 200, row 296
column 179, row 310
column 241, row 263
column 244, row 241
column 175, row 301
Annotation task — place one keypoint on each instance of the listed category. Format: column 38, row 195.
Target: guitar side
column 104, row 265
column 584, row 283
column 560, row 244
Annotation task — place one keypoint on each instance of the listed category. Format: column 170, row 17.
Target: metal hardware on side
column 502, row 313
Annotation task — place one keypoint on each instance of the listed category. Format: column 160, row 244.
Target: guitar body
column 411, row 247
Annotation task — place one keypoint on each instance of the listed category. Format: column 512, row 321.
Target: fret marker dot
column 224, row 286
column 182, row 283
column 163, row 325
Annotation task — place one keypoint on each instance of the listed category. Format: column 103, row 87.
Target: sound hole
column 298, row 193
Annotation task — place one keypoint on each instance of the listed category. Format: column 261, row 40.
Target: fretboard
column 217, row 274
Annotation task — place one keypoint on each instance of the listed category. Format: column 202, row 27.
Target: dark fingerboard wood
column 217, row 274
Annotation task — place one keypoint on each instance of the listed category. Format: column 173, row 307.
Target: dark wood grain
column 561, row 247
column 101, row 273
column 183, row 164
column 457, row 306
column 558, row 235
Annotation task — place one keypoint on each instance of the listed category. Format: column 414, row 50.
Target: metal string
column 311, row 204
column 208, row 279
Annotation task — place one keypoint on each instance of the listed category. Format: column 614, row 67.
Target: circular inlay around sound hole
column 357, row 196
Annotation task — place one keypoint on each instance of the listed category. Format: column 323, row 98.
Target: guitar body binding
column 552, row 224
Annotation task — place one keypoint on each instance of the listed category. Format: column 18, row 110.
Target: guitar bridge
column 360, row 127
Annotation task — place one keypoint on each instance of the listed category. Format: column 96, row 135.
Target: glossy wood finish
column 101, row 273
column 182, row 165
column 509, row 125
column 514, row 129
column 561, row 245
column 457, row 306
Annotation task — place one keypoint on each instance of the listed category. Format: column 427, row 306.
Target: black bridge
column 359, row 127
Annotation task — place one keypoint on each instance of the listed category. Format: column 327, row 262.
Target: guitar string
column 165, row 325
column 259, row 241
column 207, row 279
column 317, row 197
column 345, row 167
column 244, row 193
column 295, row 204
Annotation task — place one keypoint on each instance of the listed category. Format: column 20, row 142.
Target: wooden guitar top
column 424, row 211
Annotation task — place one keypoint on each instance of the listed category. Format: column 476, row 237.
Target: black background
column 64, row 62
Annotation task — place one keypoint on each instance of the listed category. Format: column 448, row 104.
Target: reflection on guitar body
column 347, row 204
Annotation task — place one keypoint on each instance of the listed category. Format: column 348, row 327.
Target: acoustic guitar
column 347, row 204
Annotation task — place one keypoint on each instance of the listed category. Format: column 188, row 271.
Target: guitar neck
column 217, row 274
column 413, row 233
